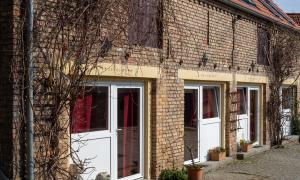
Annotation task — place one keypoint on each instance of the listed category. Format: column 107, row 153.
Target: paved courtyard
column 275, row 164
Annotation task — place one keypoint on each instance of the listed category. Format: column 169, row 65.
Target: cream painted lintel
column 203, row 75
column 224, row 77
column 119, row 70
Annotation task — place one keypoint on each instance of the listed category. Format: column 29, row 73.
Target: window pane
column 263, row 46
column 210, row 102
column 90, row 111
column 190, row 123
column 128, row 132
column 242, row 101
column 145, row 25
column 287, row 98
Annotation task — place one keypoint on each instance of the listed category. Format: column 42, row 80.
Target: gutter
column 249, row 11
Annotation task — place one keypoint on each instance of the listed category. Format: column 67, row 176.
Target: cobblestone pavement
column 275, row 164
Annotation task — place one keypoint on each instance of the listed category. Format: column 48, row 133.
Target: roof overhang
column 261, row 16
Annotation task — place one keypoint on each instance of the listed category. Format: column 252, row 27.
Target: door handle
column 118, row 130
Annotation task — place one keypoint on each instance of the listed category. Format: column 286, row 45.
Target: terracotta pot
column 195, row 173
column 246, row 147
column 217, row 156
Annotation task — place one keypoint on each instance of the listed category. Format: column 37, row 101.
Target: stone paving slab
column 274, row 164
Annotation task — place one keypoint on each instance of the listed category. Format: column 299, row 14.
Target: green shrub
column 295, row 122
column 173, row 174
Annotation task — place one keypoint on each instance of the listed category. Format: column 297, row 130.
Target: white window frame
column 245, row 102
column 113, row 127
column 199, row 88
column 85, row 136
column 214, row 119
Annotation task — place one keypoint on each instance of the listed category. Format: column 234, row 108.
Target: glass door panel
column 253, row 115
column 190, row 124
column 128, row 142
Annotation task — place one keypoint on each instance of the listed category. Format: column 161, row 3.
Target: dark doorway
column 253, row 115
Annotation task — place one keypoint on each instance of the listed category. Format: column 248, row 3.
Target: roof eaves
column 252, row 12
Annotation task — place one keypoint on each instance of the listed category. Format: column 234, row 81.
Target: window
column 90, row 111
column 145, row 23
column 190, row 123
column 210, row 102
column 287, row 98
column 242, row 101
column 263, row 46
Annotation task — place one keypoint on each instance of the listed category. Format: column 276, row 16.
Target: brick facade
column 6, row 95
column 193, row 28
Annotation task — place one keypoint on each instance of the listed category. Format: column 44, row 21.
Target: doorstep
column 255, row 150
column 214, row 165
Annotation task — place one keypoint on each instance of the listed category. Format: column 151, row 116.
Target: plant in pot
column 217, row 154
column 245, row 145
column 173, row 174
column 195, row 171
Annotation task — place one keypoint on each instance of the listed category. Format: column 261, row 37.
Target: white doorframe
column 201, row 121
column 247, row 116
column 113, row 126
column 242, row 117
column 196, row 87
column 286, row 124
column 115, row 88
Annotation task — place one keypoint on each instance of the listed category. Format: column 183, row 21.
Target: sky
column 289, row 5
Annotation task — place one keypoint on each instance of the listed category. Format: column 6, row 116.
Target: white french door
column 248, row 114
column 287, row 95
column 107, row 133
column 202, row 122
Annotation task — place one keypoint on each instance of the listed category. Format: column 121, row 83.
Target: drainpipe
column 30, row 128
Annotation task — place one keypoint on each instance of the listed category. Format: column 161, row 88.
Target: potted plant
column 217, row 154
column 172, row 174
column 246, row 146
column 195, row 171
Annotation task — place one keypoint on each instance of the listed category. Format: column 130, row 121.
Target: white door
column 242, row 114
column 248, row 114
column 210, row 122
column 202, row 122
column 287, row 95
column 107, row 131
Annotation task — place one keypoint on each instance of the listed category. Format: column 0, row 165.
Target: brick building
column 295, row 17
column 208, row 89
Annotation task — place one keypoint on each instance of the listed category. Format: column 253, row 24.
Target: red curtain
column 81, row 115
column 208, row 103
column 128, row 134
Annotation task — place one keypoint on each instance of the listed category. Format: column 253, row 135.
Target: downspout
column 30, row 128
